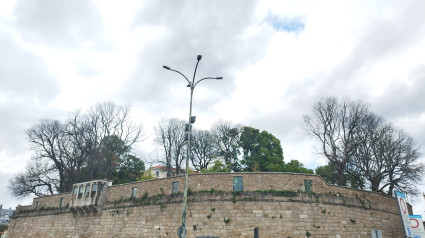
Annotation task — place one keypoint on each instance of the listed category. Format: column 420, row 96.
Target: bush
column 3, row 228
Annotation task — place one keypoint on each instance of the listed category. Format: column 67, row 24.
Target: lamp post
column 182, row 229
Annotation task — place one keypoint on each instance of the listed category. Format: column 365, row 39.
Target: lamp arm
column 194, row 73
column 180, row 74
column 203, row 80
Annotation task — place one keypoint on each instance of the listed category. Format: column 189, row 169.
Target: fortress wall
column 251, row 182
column 52, row 200
column 224, row 182
column 220, row 214
column 330, row 211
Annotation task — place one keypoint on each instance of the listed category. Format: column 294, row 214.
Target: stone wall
column 50, row 201
column 214, row 210
column 252, row 182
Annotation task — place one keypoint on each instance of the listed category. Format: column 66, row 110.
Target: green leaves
column 261, row 151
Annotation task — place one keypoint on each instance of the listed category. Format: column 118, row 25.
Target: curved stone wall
column 276, row 203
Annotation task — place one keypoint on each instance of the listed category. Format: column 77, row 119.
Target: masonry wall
column 331, row 211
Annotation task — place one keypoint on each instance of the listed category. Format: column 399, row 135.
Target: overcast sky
column 277, row 59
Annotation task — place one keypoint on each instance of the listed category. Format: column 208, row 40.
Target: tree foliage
column 147, row 175
column 329, row 173
column 218, row 167
column 87, row 146
column 295, row 166
column 130, row 169
column 3, row 227
column 261, row 151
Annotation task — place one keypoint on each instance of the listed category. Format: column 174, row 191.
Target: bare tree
column 334, row 123
column 203, row 149
column 179, row 141
column 372, row 145
column 387, row 157
column 404, row 169
column 362, row 146
column 81, row 146
column 107, row 125
column 226, row 140
column 46, row 140
column 170, row 135
column 164, row 139
column 39, row 178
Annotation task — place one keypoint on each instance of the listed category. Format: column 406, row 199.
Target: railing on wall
column 89, row 196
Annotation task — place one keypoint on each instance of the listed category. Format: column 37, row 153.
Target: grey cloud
column 17, row 117
column 24, row 75
column 59, row 23
column 403, row 104
column 281, row 123
column 6, row 198
column 385, row 38
column 404, row 99
column 216, row 30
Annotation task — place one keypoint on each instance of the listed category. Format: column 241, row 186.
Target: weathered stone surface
column 331, row 211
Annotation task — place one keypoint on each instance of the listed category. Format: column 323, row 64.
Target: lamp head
column 166, row 67
column 199, row 57
column 219, row 78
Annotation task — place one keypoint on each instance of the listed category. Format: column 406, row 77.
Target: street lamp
column 182, row 229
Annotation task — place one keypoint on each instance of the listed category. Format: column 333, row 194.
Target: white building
column 161, row 171
column 5, row 215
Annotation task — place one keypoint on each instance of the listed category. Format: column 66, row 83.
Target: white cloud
column 58, row 57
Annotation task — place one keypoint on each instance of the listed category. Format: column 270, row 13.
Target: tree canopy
column 87, row 146
column 296, row 167
column 261, row 151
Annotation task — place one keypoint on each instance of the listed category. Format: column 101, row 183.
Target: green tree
column 330, row 174
column 147, row 175
column 3, row 228
column 296, row 167
column 218, row 166
column 130, row 169
column 261, row 151
column 105, row 162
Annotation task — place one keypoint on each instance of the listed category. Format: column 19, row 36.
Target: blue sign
column 400, row 194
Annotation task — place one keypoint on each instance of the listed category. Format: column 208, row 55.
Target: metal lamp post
column 182, row 229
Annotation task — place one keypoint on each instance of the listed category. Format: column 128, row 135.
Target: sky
column 277, row 58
